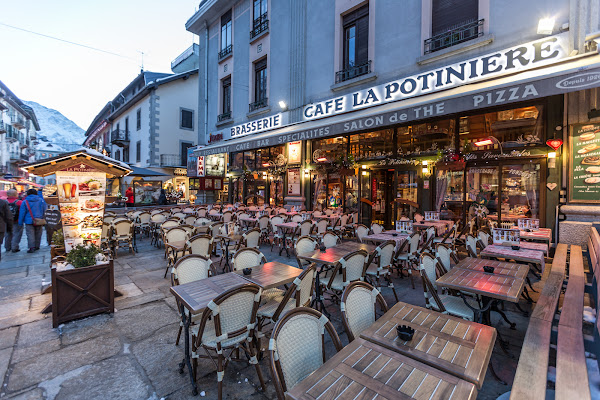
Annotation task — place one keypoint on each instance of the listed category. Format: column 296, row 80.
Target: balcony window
column 260, row 85
column 226, row 43
column 260, row 23
column 226, row 101
column 356, row 45
column 453, row 22
column 186, row 120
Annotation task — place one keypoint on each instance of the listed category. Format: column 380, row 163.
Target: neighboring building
column 18, row 138
column 45, row 150
column 150, row 124
column 408, row 91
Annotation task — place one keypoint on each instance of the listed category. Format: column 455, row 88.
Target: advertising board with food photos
column 81, row 196
column 584, row 167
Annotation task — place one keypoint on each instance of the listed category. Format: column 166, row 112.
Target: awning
column 573, row 74
column 137, row 171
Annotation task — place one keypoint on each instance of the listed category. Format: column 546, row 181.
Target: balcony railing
column 454, row 36
column 258, row 104
column 224, row 117
column 260, row 25
column 15, row 156
column 353, row 72
column 12, row 134
column 18, row 121
column 171, row 160
column 119, row 137
column 2, row 127
column 225, row 52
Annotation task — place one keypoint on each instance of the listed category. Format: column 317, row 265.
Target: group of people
column 17, row 215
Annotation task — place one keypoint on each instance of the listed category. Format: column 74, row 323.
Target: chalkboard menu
column 584, row 163
column 52, row 217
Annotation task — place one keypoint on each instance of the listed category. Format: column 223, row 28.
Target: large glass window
column 250, row 160
column 226, row 86
column 406, row 193
column 426, row 138
column 483, row 188
column 450, row 195
column 327, row 150
column 351, row 194
column 369, row 145
column 236, row 161
column 226, row 32
column 520, row 191
column 260, row 80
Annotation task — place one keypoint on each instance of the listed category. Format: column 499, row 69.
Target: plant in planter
column 83, row 256
column 57, row 248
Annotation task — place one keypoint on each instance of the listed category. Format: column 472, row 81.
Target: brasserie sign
column 515, row 59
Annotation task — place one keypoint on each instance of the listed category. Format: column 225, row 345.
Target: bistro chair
column 179, row 215
column 106, row 240
column 320, row 228
column 172, row 235
column 445, row 256
column 330, row 239
column 304, row 244
column 227, row 217
column 155, row 221
column 247, row 257
column 122, row 232
column 297, row 347
column 448, row 237
column 228, row 323
column 305, row 227
column 376, row 228
column 299, row 294
column 329, row 211
column 380, row 269
column 108, row 218
column 201, row 213
column 175, row 209
column 189, row 219
column 445, row 304
column 352, row 267
column 342, row 225
column 483, row 239
column 361, row 231
column 251, row 238
column 317, row 213
column 296, row 218
column 277, row 234
column 408, row 260
column 263, row 225
column 199, row 244
column 190, row 268
column 156, row 211
column 189, row 210
column 359, row 308
column 428, row 237
column 110, row 213
column 143, row 222
column 188, row 228
column 471, row 245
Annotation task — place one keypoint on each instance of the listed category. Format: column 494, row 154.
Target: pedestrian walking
column 31, row 214
column 6, row 221
column 13, row 239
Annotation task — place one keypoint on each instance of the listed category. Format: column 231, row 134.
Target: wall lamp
column 545, row 26
column 488, row 141
column 283, row 105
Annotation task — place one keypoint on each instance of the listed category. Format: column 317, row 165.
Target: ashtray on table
column 405, row 332
column 394, row 234
column 247, row 271
column 488, row 269
column 515, row 247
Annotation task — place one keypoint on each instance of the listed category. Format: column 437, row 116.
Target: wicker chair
column 292, row 359
column 247, row 258
column 179, row 215
column 174, row 210
column 408, row 260
column 190, row 219
column 330, row 239
column 471, row 245
column 123, row 232
column 483, row 239
column 342, row 225
column 304, row 244
column 277, row 234
column 296, row 218
column 228, row 322
column 251, row 238
column 227, row 217
column 359, row 308
column 108, row 218
column 176, row 234
column 317, row 213
column 445, row 256
column 352, row 267
column 299, row 294
column 445, row 304
column 361, row 231
column 188, row 228
column 320, row 228
column 187, row 269
column 201, row 213
column 156, row 211
column 384, row 257
column 304, row 228
column 263, row 225
column 376, row 228
column 428, row 237
column 143, row 222
column 329, row 211
column 106, row 240
column 199, row 244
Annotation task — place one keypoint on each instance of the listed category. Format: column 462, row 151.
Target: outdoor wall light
column 364, row 173
column 425, row 171
column 552, row 154
column 545, row 26
column 552, row 159
column 363, row 166
column 282, row 105
column 424, row 163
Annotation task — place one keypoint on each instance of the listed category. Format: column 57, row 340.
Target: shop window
column 330, row 149
column 450, row 195
column 236, row 161
column 406, row 194
column 515, row 127
column 370, row 145
column 351, row 194
column 483, row 188
column 427, row 138
column 250, row 160
column 520, row 191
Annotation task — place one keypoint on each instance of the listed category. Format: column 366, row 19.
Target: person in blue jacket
column 32, row 204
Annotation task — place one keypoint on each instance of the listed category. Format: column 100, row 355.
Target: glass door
column 483, row 188
column 381, row 189
column 406, row 194
column 520, row 191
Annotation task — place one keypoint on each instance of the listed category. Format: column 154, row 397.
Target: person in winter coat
column 6, row 221
column 13, row 239
column 32, row 207
column 130, row 197
column 162, row 198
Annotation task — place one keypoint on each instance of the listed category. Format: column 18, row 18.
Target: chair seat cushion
column 271, row 294
column 457, row 307
column 267, row 310
column 372, row 270
column 337, row 284
column 209, row 337
column 403, row 256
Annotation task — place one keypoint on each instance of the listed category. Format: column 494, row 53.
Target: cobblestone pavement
column 132, row 354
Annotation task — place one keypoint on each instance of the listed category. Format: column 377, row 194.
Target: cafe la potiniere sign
column 526, row 56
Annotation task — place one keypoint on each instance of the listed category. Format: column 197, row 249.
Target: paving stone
column 139, row 322
column 122, row 303
column 34, row 394
column 114, row 378
column 40, row 302
column 51, row 365
column 149, row 280
column 4, row 361
column 88, row 328
column 129, row 290
column 25, row 353
column 36, row 332
column 23, row 318
column 10, row 309
column 19, row 288
column 8, row 337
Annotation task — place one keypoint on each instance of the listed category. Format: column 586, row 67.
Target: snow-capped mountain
column 56, row 128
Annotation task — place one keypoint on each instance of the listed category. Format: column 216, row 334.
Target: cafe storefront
column 479, row 143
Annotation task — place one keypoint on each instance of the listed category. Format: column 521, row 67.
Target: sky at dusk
column 79, row 81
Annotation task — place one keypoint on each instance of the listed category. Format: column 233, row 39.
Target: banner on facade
column 584, row 163
column 81, row 196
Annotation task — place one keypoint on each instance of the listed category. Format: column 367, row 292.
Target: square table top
column 543, row 247
column 500, row 267
column 366, row 370
column 287, row 225
column 272, row 274
column 523, row 254
column 248, row 219
column 501, row 287
column 334, row 254
column 196, row 295
column 385, row 236
column 540, row 234
column 453, row 345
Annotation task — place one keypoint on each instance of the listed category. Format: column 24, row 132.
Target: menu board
column 81, row 195
column 584, row 170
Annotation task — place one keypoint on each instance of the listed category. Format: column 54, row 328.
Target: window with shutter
column 187, row 119
column 453, row 22
column 138, row 151
column 356, row 45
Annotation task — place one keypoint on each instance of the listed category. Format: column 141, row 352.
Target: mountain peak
column 56, row 128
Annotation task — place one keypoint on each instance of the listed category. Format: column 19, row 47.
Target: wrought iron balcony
column 171, row 160
column 224, row 117
column 258, row 104
column 15, row 156
column 12, row 134
column 260, row 25
column 225, row 52
column 119, row 137
column 18, row 121
column 2, row 127
column 454, row 36
column 353, row 72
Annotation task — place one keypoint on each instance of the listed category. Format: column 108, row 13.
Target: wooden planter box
column 57, row 251
column 82, row 292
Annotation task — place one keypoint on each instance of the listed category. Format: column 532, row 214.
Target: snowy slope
column 56, row 128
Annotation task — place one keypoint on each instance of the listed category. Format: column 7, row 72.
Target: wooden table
column 194, row 297
column 523, row 255
column 272, row 274
column 453, row 345
column 541, row 235
column 500, row 287
column 365, row 370
column 441, row 225
column 385, row 236
column 500, row 267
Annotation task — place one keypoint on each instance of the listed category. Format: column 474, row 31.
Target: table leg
column 318, row 300
column 135, row 239
column 187, row 359
column 227, row 265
